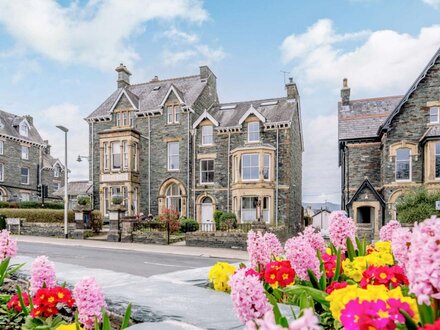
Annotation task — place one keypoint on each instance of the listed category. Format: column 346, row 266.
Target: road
column 132, row 262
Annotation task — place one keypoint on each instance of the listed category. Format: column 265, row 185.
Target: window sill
column 172, row 124
column 206, row 183
column 253, row 142
column 171, row 170
column 404, row 181
column 206, row 145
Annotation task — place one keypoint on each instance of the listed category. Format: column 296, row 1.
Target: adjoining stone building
column 389, row 144
column 25, row 160
column 171, row 144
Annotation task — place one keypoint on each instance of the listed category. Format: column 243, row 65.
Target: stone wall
column 155, row 238
column 217, row 239
column 43, row 229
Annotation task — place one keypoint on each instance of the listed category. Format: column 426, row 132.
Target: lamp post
column 65, row 130
column 80, row 158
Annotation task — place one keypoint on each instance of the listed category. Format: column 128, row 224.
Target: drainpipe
column 188, row 166
column 92, row 169
column 276, row 189
column 229, row 167
column 194, row 172
column 149, row 166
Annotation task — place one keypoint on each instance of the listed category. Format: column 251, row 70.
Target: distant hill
column 317, row 206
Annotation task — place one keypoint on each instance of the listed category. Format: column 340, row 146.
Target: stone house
column 172, row 144
column 387, row 145
column 75, row 189
column 25, row 160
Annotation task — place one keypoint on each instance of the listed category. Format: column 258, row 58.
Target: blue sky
column 57, row 59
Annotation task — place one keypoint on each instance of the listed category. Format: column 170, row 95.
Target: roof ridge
column 164, row 80
column 377, row 98
column 260, row 100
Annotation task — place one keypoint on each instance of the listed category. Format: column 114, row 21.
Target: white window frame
column 124, row 155
column 118, row 143
column 251, row 155
column 135, row 160
column 2, row 172
column 207, row 171
column 173, row 113
column 56, row 172
column 124, row 118
column 171, row 156
column 436, row 154
column 106, row 200
column 207, row 135
column 251, row 126
column 57, row 186
column 170, row 197
column 118, row 119
column 130, row 118
column 434, row 112
column 24, row 129
column 105, row 156
column 247, row 211
column 21, row 175
column 25, row 152
column 1, row 147
column 410, row 166
column 266, row 156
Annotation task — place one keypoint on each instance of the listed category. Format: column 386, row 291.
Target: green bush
column 228, row 219
column 417, row 205
column 188, row 225
column 4, row 204
column 2, row 222
column 38, row 215
column 217, row 215
column 31, row 205
column 96, row 221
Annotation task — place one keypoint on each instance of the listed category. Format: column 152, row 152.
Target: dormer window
column 173, row 114
column 24, row 129
column 56, row 172
column 434, row 115
column 253, row 131
column 207, row 135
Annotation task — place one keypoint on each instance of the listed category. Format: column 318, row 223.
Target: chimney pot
column 123, row 76
column 292, row 89
column 155, row 78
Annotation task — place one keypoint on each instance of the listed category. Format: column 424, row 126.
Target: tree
column 417, row 205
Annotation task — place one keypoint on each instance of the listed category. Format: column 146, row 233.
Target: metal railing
column 150, row 226
column 239, row 227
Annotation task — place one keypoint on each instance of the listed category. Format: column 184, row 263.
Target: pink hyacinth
column 257, row 250
column 89, row 300
column 42, row 274
column 248, row 296
column 8, row 246
column 308, row 321
column 340, row 228
column 302, row 257
column 400, row 243
column 386, row 232
column 424, row 260
column 314, row 238
column 273, row 245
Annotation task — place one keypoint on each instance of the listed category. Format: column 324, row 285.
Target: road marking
column 167, row 265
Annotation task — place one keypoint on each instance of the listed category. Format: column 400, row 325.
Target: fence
column 239, row 227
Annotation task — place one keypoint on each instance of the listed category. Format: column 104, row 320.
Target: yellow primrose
column 67, row 327
column 355, row 268
column 219, row 276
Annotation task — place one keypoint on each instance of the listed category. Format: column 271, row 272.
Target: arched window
column 174, row 198
column 403, row 164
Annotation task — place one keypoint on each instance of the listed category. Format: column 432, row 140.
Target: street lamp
column 65, row 130
column 80, row 158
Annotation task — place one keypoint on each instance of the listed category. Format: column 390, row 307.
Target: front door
column 207, row 215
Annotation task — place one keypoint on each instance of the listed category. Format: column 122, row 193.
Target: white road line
column 167, row 265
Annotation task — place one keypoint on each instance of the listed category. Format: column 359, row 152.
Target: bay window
column 105, row 155
column 116, row 155
column 250, row 167
column 266, row 167
column 437, row 160
column 125, row 157
column 249, row 209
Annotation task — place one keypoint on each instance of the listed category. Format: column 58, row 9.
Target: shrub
column 96, row 221
column 417, row 204
column 4, row 204
column 2, row 222
column 217, row 215
column 117, row 199
column 38, row 215
column 188, row 225
column 83, row 200
column 32, row 205
column 228, row 219
column 171, row 218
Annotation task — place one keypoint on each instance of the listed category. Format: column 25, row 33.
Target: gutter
column 277, row 180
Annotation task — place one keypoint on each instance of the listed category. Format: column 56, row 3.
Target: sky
column 57, row 59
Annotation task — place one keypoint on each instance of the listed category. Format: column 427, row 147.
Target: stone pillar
column 81, row 231
column 127, row 230
column 259, row 227
column 114, row 234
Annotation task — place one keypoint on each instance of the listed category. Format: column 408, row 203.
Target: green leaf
column 409, row 322
column 313, row 279
column 323, row 279
column 96, row 324
column 24, row 309
column 126, row 320
column 106, row 322
column 350, row 249
column 77, row 325
column 296, row 291
column 306, row 301
column 276, row 309
column 426, row 314
column 338, row 266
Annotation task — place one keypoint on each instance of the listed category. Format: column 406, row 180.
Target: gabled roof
column 49, row 162
column 321, row 211
column 176, row 92
column 277, row 110
column 151, row 94
column 367, row 184
column 76, row 188
column 361, row 118
column 252, row 111
column 203, row 116
column 9, row 127
column 132, row 98
column 386, row 125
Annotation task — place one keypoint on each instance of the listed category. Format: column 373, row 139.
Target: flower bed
column 347, row 284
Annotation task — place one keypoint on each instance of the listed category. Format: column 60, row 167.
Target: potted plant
column 117, row 199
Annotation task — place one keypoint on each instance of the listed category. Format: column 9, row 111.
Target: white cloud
column 180, row 36
column 172, row 58
column 96, row 34
column 67, row 115
column 433, row 3
column 386, row 61
column 321, row 174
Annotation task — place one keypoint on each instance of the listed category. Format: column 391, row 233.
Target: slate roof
column 362, row 118
column 148, row 96
column 75, row 188
column 49, row 161
column 282, row 111
column 432, row 131
column 9, row 125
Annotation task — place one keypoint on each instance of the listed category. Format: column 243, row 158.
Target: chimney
column 205, row 72
column 292, row 89
column 345, row 92
column 155, row 79
column 123, row 76
column 47, row 147
column 30, row 120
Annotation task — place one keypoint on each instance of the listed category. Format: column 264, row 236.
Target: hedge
column 31, row 205
column 38, row 215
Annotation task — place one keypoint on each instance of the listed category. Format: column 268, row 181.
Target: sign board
column 437, row 205
column 13, row 221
